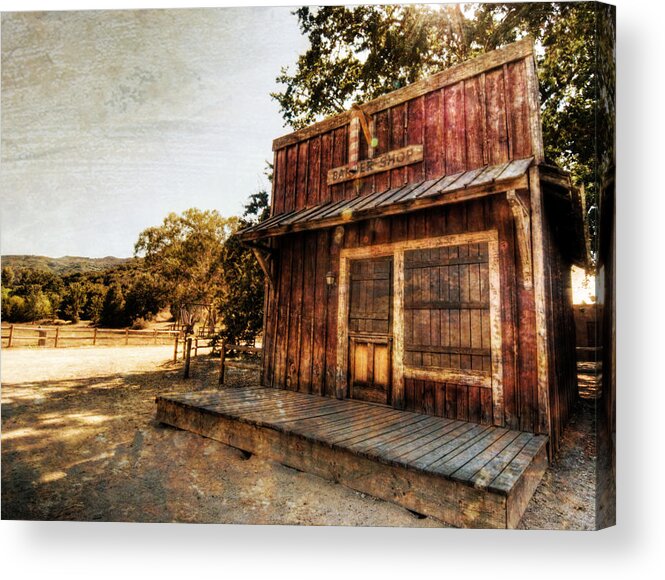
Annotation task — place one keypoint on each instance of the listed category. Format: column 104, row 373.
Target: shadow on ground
column 81, row 443
column 87, row 448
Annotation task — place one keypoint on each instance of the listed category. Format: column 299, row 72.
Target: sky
column 112, row 119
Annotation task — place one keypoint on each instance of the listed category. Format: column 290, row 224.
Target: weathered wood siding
column 474, row 122
column 563, row 390
column 588, row 327
column 606, row 430
column 490, row 116
column 303, row 317
column 447, row 307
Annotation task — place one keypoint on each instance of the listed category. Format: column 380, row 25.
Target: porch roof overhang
column 457, row 187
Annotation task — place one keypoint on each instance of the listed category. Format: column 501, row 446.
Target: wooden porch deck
column 464, row 474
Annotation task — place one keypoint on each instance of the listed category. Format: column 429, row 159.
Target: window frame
column 399, row 369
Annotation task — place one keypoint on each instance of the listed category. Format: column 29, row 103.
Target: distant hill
column 64, row 265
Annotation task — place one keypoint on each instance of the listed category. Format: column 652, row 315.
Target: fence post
column 126, row 336
column 11, row 335
column 94, row 337
column 155, row 336
column 41, row 341
column 188, row 355
column 222, row 355
column 57, row 333
column 196, row 347
column 175, row 350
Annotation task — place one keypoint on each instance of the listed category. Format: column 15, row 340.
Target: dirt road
column 79, row 442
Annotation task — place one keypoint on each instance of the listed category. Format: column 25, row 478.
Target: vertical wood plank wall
column 486, row 119
column 303, row 317
column 563, row 377
column 474, row 122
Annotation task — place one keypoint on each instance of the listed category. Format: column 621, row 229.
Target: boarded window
column 446, row 308
column 370, row 296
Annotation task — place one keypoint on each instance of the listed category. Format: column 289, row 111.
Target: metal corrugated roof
column 408, row 197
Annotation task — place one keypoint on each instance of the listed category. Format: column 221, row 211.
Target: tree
column 26, row 280
column 359, row 53
column 113, row 311
column 35, row 294
column 145, row 298
column 185, row 255
column 8, row 276
column 241, row 294
column 74, row 301
column 94, row 304
column 37, row 306
column 13, row 307
column 257, row 207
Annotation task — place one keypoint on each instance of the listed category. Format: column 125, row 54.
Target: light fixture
column 330, row 279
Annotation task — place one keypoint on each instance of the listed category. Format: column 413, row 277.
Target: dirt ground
column 79, row 442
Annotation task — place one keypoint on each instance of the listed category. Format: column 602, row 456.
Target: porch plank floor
column 495, row 461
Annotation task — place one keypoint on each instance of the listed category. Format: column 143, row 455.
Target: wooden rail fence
column 195, row 343
column 62, row 336
column 200, row 342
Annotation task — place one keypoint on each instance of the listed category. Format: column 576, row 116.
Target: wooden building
column 419, row 249
column 606, row 410
column 419, row 342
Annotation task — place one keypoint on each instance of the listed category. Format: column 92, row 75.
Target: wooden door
column 370, row 329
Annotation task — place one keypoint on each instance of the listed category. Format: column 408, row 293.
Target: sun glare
column 584, row 286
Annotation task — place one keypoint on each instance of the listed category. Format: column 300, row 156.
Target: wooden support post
column 42, row 337
column 196, row 347
column 341, row 369
column 533, row 99
column 399, row 399
column 523, row 230
column 94, row 337
column 263, row 263
column 155, row 341
column 57, row 334
column 11, row 336
column 188, row 355
column 127, row 336
column 222, row 356
column 175, row 349
column 540, row 293
column 365, row 123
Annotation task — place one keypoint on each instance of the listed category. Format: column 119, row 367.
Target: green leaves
column 359, row 53
column 193, row 258
column 185, row 253
column 113, row 310
column 241, row 295
column 74, row 301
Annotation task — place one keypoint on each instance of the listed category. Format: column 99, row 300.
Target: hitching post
column 222, row 355
column 188, row 355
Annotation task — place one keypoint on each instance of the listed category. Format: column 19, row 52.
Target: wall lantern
column 330, row 279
